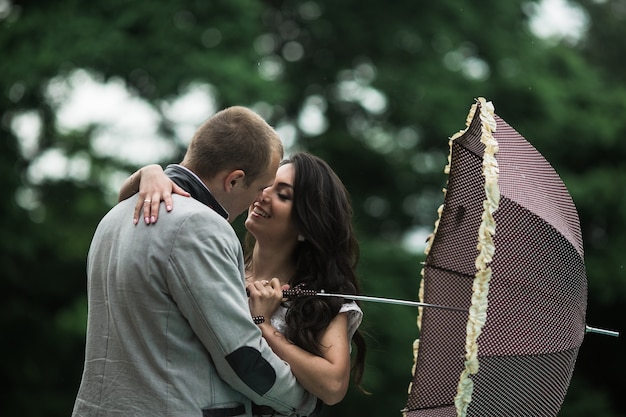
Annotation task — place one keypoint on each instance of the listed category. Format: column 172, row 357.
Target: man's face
column 251, row 193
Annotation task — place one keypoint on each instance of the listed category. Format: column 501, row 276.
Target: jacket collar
column 191, row 183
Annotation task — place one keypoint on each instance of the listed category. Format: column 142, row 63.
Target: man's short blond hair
column 234, row 138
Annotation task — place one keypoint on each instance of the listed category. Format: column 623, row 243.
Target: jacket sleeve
column 206, row 280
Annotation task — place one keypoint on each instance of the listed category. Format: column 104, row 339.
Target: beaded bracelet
column 258, row 319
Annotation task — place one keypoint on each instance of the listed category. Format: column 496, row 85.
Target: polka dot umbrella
column 508, row 248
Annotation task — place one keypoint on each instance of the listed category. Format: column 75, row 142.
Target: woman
column 299, row 235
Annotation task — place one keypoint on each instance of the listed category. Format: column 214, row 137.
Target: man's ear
column 234, row 179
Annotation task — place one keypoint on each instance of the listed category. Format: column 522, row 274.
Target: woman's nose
column 264, row 197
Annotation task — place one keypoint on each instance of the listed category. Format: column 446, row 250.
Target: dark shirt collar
column 191, row 183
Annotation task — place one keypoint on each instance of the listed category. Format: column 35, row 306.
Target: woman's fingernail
column 135, row 220
column 152, row 219
column 146, row 219
column 169, row 208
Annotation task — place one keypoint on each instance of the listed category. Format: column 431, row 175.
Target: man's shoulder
column 186, row 206
column 191, row 211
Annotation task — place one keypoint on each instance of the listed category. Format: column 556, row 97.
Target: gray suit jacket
column 169, row 331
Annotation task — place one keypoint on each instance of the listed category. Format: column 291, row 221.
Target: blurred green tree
column 373, row 88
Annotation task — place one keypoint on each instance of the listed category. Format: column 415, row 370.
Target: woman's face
column 270, row 216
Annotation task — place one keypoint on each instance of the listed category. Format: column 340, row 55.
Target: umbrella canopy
column 507, row 247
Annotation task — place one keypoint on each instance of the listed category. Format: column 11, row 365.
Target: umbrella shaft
column 389, row 301
column 590, row 329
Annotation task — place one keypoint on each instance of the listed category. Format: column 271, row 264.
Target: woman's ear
column 234, row 179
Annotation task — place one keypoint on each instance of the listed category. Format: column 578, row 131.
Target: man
column 169, row 330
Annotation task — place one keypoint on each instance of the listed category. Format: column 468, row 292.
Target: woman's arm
column 327, row 376
column 153, row 187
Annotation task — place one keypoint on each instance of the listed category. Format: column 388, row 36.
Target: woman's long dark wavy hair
column 326, row 259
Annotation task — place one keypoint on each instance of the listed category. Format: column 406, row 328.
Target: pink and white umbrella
column 507, row 247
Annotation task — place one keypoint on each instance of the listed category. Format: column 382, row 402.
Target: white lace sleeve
column 355, row 316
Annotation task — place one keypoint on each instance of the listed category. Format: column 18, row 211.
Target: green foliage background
column 427, row 60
